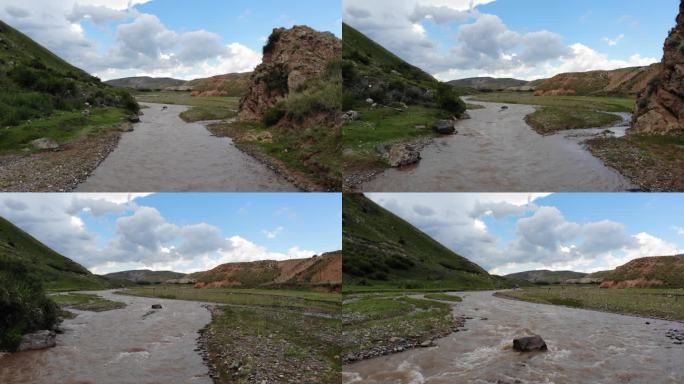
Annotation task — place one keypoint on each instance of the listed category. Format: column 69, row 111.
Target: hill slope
column 145, row 276
column 323, row 271
column 544, row 276
column 619, row 82
column 146, row 82
column 35, row 83
column 52, row 269
column 371, row 71
column 488, row 83
column 667, row 271
column 382, row 249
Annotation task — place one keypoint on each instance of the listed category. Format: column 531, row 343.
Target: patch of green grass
column 316, row 301
column 470, row 106
column 650, row 302
column 443, row 297
column 371, row 322
column 86, row 302
column 207, row 113
column 61, row 127
column 550, row 120
column 185, row 98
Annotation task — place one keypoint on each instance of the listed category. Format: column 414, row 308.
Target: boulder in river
column 156, row 306
column 403, row 154
column 445, row 127
column 529, row 344
column 134, row 119
column 38, row 340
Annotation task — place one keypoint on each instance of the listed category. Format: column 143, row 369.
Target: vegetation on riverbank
column 375, row 325
column 559, row 113
column 443, row 297
column 283, row 336
column 655, row 163
column 86, row 302
column 649, row 302
column 202, row 108
column 319, row 301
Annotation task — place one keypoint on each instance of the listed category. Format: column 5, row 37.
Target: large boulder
column 445, row 127
column 291, row 57
column 44, row 143
column 529, row 344
column 38, row 340
column 401, row 155
column 660, row 108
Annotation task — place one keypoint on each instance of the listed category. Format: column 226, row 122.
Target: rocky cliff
column 660, row 108
column 291, row 58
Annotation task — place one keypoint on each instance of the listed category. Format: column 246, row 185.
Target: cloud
column 679, row 230
column 273, row 234
column 142, row 44
column 615, row 41
column 537, row 236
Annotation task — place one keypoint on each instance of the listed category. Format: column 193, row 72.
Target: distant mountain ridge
column 618, row 82
column 323, row 272
column 660, row 271
column 382, row 249
column 231, row 84
column 489, row 83
column 146, row 276
column 546, row 276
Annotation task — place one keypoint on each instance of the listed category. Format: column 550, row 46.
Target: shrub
column 448, row 100
column 272, row 41
column 276, row 80
column 273, row 116
column 24, row 308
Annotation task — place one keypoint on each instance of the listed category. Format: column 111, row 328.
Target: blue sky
column 184, row 232
column 507, row 233
column 118, row 38
column 519, row 38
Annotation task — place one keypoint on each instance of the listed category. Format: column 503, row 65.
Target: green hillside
column 55, row 271
column 382, row 251
column 146, row 276
column 545, row 276
column 371, row 71
column 36, row 85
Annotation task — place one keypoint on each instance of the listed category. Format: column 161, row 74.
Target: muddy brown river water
column 164, row 153
column 496, row 151
column 119, row 347
column 584, row 347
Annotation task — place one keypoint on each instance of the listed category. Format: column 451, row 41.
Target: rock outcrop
column 660, row 108
column 291, row 57
column 38, row 340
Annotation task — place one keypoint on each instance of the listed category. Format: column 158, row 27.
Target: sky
column 509, row 233
column 525, row 39
column 182, row 232
column 163, row 38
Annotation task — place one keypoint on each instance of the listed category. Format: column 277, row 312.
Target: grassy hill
column 663, row 271
column 488, row 83
column 41, row 95
column 382, row 251
column 55, row 271
column 145, row 276
column 323, row 272
column 545, row 276
column 371, row 71
column 146, row 83
column 618, row 82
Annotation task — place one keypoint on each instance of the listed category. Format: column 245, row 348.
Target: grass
column 649, row 302
column 203, row 108
column 565, row 112
column 61, row 126
column 471, row 107
column 443, row 297
column 374, row 323
column 318, row 301
column 86, row 302
column 653, row 162
column 273, row 345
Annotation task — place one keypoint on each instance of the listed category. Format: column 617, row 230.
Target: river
column 164, row 153
column 584, row 347
column 119, row 347
column 496, row 151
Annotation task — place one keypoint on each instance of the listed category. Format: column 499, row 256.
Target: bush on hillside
column 24, row 307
